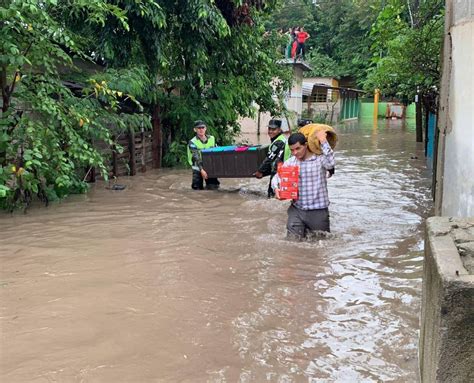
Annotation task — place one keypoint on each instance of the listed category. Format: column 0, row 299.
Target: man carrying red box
column 309, row 212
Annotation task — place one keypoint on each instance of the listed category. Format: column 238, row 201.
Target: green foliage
column 339, row 31
column 47, row 133
column 406, row 49
column 191, row 59
column 200, row 63
column 393, row 45
column 322, row 64
column 221, row 80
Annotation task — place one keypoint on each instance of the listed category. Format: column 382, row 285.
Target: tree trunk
column 5, row 92
column 132, row 163
column 157, row 141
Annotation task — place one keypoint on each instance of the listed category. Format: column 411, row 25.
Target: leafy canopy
column 68, row 68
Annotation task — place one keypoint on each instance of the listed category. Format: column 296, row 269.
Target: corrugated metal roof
column 308, row 88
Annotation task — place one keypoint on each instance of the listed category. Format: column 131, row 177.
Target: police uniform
column 195, row 145
column 278, row 151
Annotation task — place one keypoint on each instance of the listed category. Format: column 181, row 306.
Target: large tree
column 48, row 129
column 182, row 60
column 406, row 46
column 204, row 59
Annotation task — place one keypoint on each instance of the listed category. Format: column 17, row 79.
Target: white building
column 293, row 101
column 454, row 189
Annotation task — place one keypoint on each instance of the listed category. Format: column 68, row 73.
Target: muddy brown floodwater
column 158, row 283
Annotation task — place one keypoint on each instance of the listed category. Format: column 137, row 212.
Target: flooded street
column 159, row 283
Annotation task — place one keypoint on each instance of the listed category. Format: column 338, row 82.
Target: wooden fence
column 137, row 155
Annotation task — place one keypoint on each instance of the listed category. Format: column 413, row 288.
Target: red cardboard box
column 289, row 177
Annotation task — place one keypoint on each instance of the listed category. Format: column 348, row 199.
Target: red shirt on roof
column 301, row 37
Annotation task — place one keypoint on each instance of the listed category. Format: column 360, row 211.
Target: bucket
column 310, row 131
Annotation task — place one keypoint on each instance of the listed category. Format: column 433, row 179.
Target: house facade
column 325, row 100
column 293, row 102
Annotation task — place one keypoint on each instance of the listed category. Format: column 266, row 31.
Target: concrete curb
column 447, row 314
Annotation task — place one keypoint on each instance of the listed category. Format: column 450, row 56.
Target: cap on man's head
column 274, row 124
column 199, row 123
column 303, row 121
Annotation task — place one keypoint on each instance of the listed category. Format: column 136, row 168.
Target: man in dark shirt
column 278, row 151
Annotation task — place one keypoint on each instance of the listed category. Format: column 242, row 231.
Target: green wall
column 367, row 110
column 411, row 110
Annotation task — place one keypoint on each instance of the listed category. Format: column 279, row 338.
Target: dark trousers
column 300, row 50
column 302, row 222
column 198, row 182
column 270, row 192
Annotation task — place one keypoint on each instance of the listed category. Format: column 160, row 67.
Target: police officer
column 199, row 142
column 278, row 151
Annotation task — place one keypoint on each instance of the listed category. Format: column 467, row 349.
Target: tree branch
column 17, row 72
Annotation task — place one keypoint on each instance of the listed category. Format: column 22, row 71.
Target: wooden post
column 131, row 148
column 418, row 117
column 258, row 122
column 91, row 175
column 114, row 158
column 157, row 139
column 376, row 104
column 143, row 159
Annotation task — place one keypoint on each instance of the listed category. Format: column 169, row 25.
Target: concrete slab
column 447, row 317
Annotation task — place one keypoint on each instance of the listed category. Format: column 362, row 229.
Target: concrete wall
column 455, row 171
column 447, row 317
column 331, row 81
column 295, row 100
column 324, row 108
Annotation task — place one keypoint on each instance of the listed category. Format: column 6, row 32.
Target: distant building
column 293, row 101
column 325, row 100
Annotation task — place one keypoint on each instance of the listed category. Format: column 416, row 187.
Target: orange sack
column 310, row 131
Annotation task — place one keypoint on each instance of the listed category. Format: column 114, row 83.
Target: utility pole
column 376, row 104
column 258, row 123
column 419, row 116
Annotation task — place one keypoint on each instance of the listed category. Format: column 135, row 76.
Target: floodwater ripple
column 160, row 283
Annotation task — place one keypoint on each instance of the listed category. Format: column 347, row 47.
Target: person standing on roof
column 278, row 151
column 301, row 37
column 199, row 142
column 291, row 39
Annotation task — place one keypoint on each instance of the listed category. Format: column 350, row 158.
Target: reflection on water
column 160, row 283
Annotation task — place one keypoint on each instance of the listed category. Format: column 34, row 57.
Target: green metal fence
column 350, row 108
